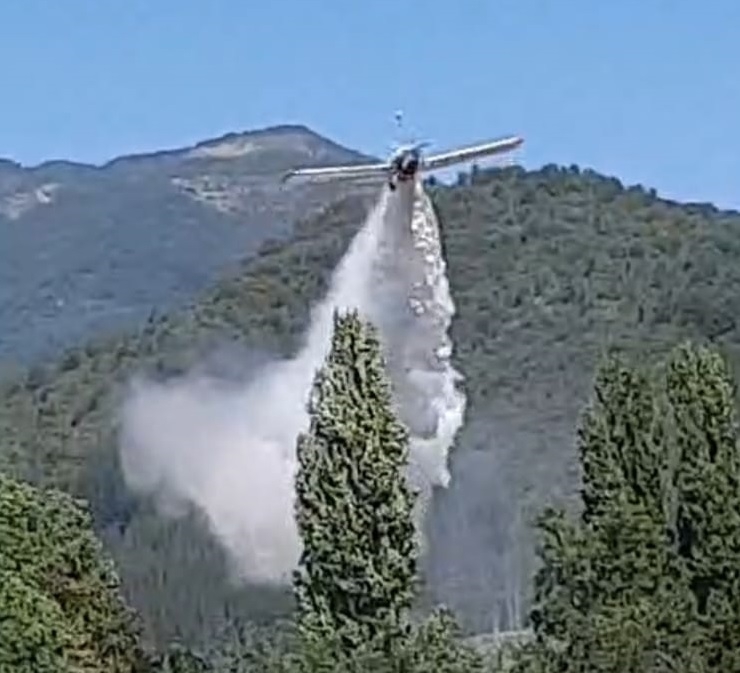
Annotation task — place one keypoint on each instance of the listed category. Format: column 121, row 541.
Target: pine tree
column 356, row 578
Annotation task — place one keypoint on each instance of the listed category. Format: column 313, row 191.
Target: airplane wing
column 452, row 157
column 339, row 172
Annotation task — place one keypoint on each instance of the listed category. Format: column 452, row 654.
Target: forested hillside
column 548, row 269
column 86, row 250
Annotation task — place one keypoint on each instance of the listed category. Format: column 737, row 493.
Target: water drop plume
column 229, row 449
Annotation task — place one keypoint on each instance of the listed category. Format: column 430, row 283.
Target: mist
column 227, row 448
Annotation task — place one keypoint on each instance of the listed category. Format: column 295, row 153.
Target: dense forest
column 549, row 269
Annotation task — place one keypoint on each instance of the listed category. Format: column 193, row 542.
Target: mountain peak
column 285, row 136
column 274, row 147
column 294, row 137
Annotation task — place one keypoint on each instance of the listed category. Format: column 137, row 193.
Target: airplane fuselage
column 404, row 166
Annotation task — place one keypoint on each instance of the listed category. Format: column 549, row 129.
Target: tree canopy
column 60, row 601
column 644, row 578
column 353, row 504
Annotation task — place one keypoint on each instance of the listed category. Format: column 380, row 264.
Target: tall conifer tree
column 356, row 578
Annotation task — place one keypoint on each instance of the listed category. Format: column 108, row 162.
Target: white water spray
column 230, row 451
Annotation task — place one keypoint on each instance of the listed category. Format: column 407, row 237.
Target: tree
column 357, row 574
column 179, row 659
column 611, row 594
column 60, row 606
column 356, row 578
column 707, row 495
column 32, row 634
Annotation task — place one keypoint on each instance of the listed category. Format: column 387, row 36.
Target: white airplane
column 406, row 161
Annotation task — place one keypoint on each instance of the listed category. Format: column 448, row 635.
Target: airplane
column 406, row 161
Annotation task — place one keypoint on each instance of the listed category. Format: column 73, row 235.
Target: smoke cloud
column 229, row 448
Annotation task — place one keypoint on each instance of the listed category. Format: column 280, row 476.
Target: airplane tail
column 404, row 138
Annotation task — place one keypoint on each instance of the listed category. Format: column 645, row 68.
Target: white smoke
column 230, row 450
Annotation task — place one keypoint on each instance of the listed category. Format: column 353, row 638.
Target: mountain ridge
column 277, row 130
column 74, row 237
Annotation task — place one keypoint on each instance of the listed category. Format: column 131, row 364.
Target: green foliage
column 604, row 574
column 437, row 645
column 707, row 496
column 58, row 425
column 356, row 574
column 33, row 636
column 434, row 645
column 356, row 578
column 256, row 649
column 546, row 268
column 143, row 231
column 59, row 597
column 179, row 659
column 645, row 579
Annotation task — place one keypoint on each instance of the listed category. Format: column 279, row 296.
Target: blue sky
column 647, row 90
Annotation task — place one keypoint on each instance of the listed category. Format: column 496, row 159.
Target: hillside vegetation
column 86, row 250
column 548, row 268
